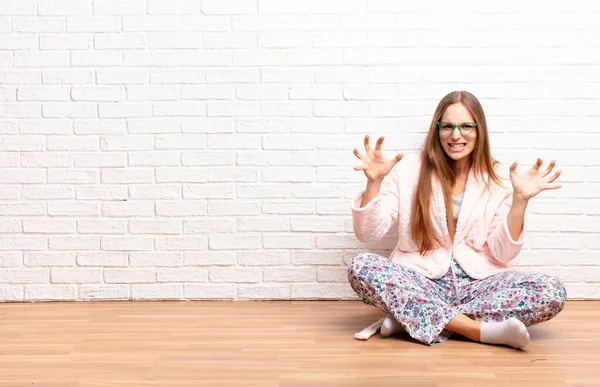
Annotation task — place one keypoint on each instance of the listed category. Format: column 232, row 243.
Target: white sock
column 390, row 326
column 510, row 332
column 369, row 331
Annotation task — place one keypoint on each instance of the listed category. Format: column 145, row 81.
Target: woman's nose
column 456, row 134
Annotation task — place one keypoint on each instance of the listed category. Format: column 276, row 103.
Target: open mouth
column 457, row 146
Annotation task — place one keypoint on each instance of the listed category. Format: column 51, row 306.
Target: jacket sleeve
column 374, row 220
column 502, row 246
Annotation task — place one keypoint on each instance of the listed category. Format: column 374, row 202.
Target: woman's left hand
column 534, row 181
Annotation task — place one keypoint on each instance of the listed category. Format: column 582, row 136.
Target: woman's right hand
column 374, row 165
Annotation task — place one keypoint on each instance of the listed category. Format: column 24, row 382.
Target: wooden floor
column 273, row 344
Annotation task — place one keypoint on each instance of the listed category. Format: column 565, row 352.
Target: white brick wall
column 202, row 149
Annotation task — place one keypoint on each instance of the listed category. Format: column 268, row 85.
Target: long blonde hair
column 436, row 163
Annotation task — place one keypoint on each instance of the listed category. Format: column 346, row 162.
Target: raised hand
column 374, row 165
column 534, row 181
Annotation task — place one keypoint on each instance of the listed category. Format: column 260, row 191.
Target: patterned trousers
column 424, row 306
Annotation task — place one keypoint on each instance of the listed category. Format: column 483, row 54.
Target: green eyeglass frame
column 463, row 128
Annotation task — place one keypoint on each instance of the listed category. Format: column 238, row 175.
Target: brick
column 235, row 274
column 262, row 126
column 75, row 275
column 103, row 226
column 155, row 259
column 263, row 224
column 66, row 41
column 185, row 242
column 180, row 108
column 47, row 126
column 263, row 190
column 46, row 58
column 263, row 158
column 177, row 7
column 101, row 192
column 228, row 208
column 64, row 8
column 209, row 258
column 209, row 291
column 100, row 160
column 182, row 274
column 97, row 93
column 69, row 110
column 293, row 174
column 24, row 276
column 20, row 8
column 47, row 160
column 127, row 243
column 127, row 176
column 50, row 292
column 207, row 158
column 264, row 258
column 178, row 208
column 154, row 192
column 126, row 143
column 128, row 208
column 93, row 24
column 153, row 125
column 120, row 76
column 104, row 58
column 22, row 209
column 284, row 39
column 102, row 259
column 13, row 259
column 62, row 258
column 72, row 176
column 12, row 293
column 119, row 41
column 237, row 174
column 290, row 274
column 180, row 141
column 157, row 292
column 288, row 241
column 264, row 292
column 104, row 126
column 48, row 192
column 116, row 7
column 204, row 226
column 232, row 7
column 21, row 143
column 316, row 258
column 129, row 275
column 72, row 208
column 152, row 226
column 72, row 143
column 234, row 141
column 234, row 242
column 103, row 292
column 209, row 191
column 74, row 242
column 49, row 226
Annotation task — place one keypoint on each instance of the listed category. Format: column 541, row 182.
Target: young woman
column 460, row 218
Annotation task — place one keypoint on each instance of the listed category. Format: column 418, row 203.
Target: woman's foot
column 390, row 326
column 511, row 332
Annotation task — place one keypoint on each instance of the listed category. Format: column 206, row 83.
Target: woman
column 460, row 219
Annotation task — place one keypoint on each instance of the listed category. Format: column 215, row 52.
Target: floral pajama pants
column 424, row 306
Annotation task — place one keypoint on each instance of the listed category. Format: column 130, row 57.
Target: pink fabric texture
column 482, row 243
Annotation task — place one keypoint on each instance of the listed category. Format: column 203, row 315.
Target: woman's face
column 457, row 145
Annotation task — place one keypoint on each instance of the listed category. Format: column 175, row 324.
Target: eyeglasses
column 463, row 128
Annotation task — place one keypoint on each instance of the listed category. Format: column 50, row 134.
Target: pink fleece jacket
column 482, row 244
